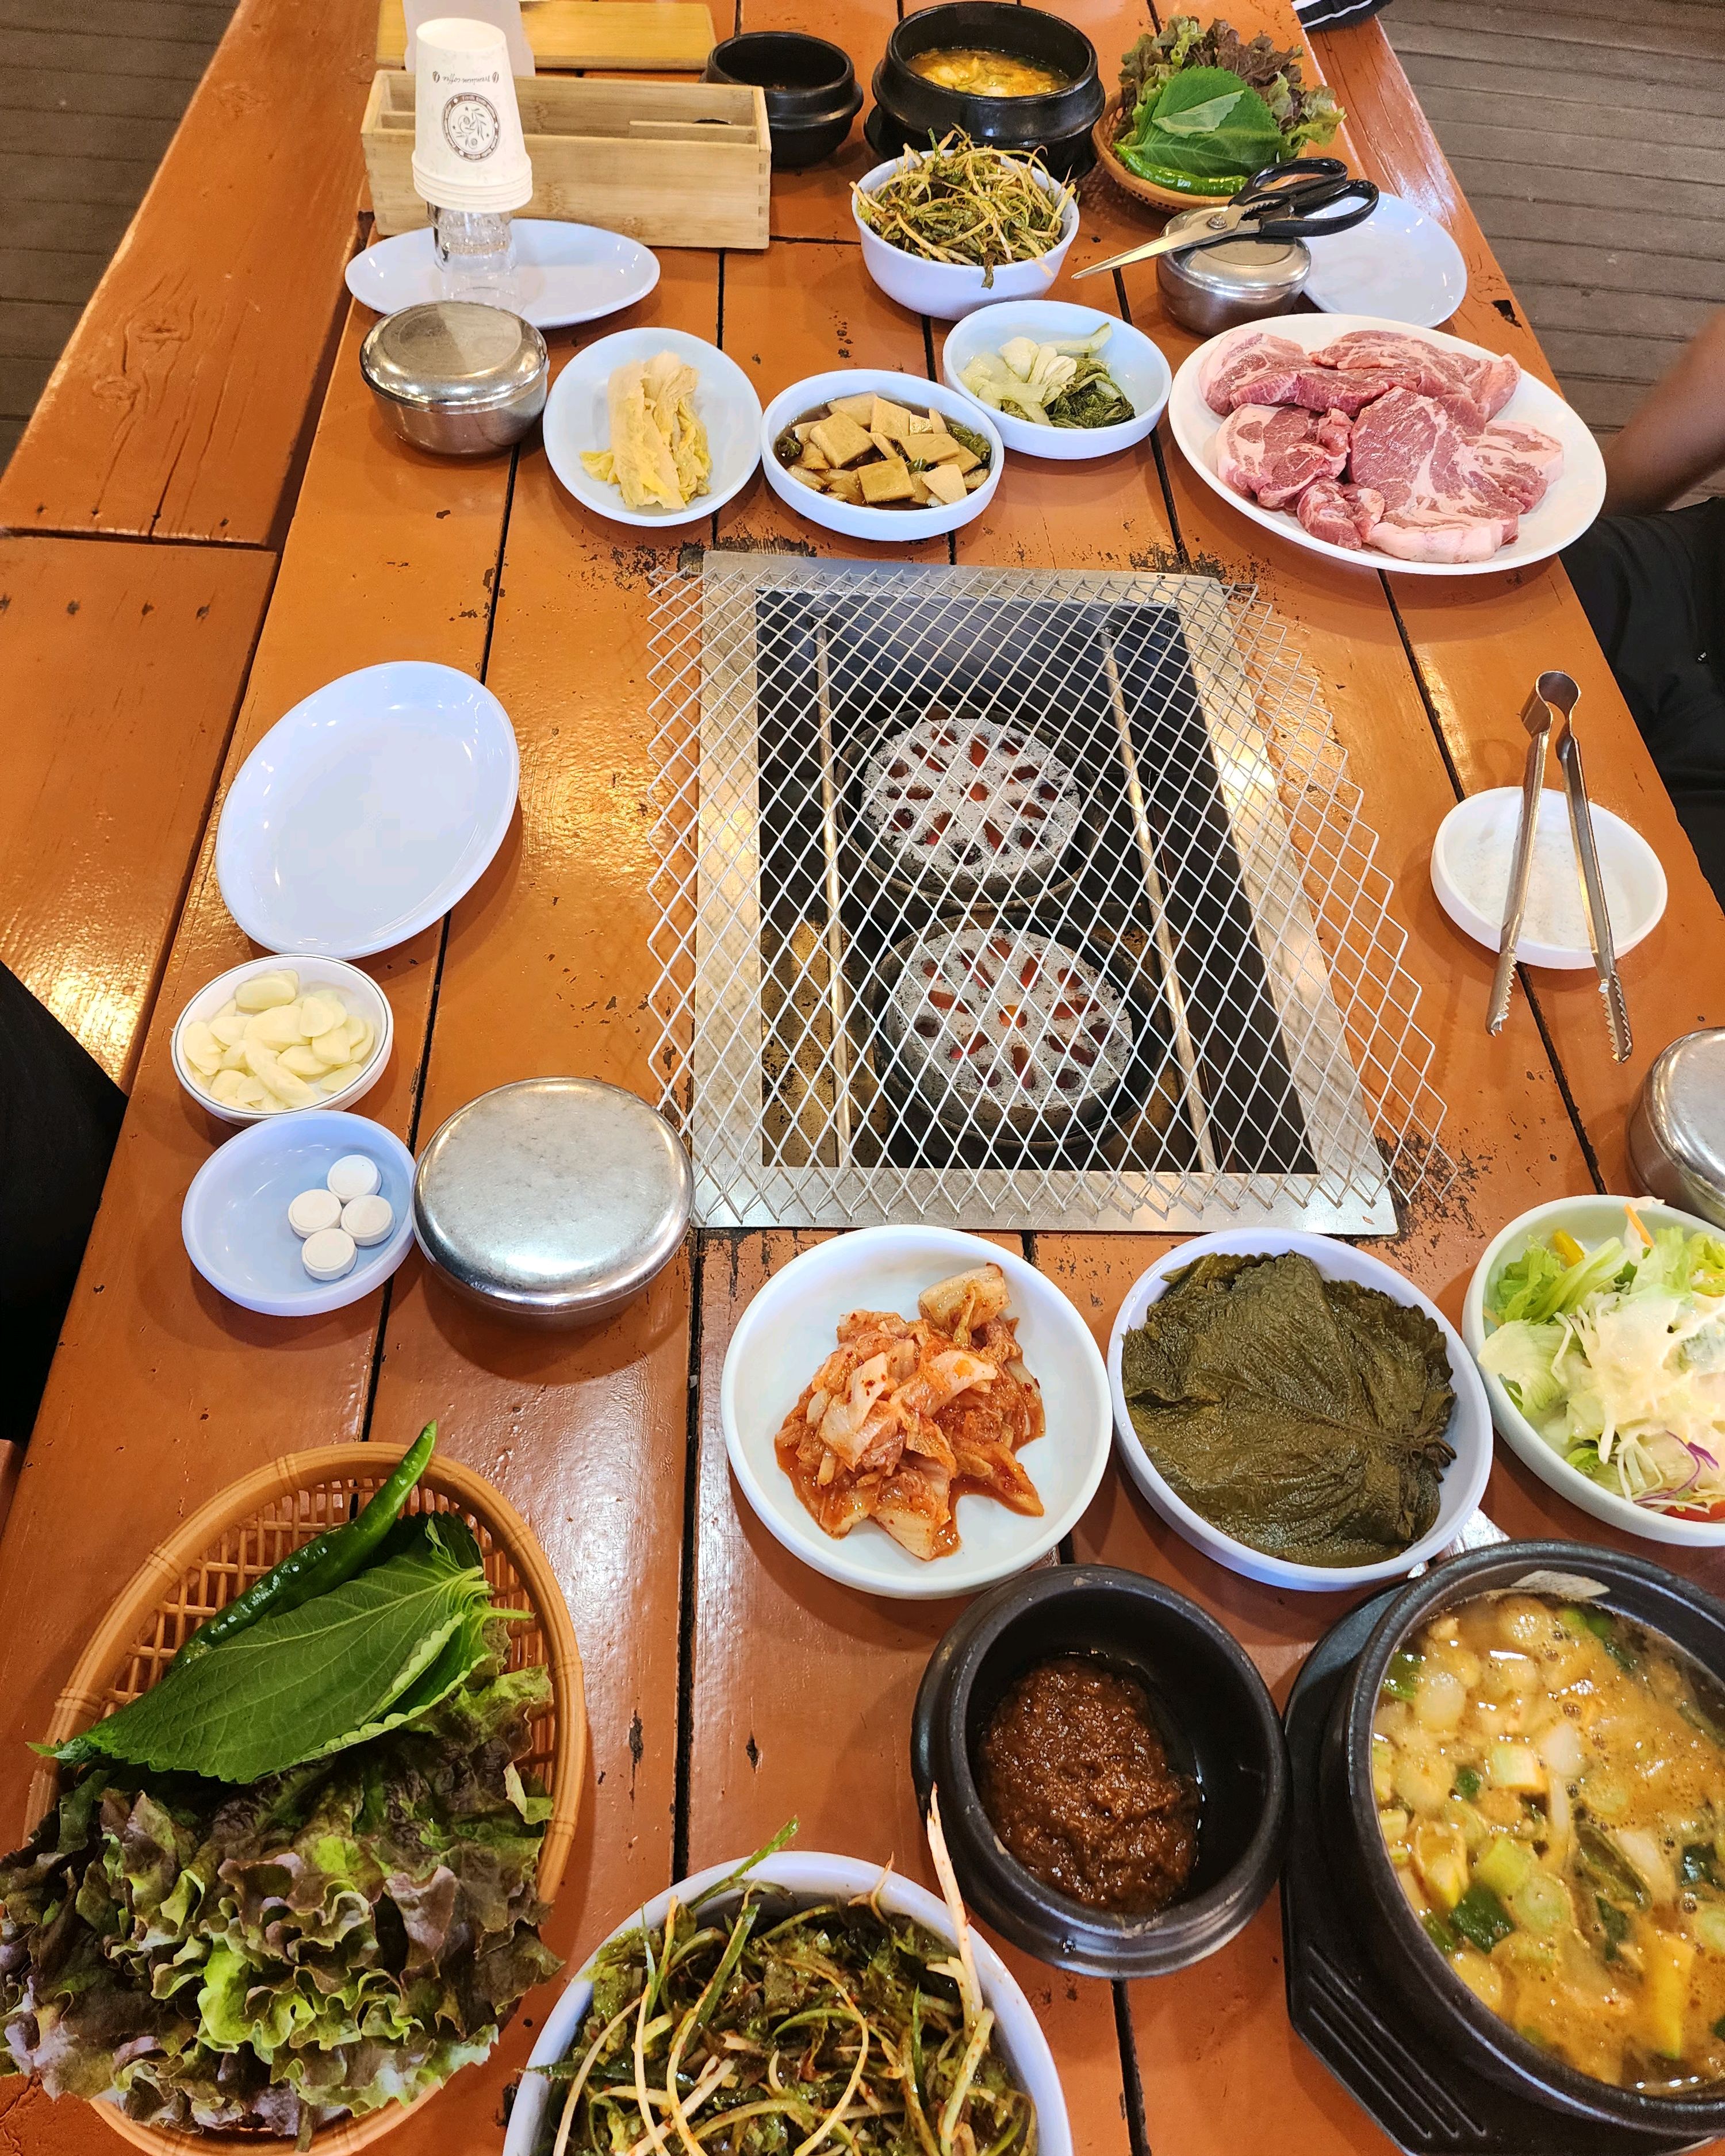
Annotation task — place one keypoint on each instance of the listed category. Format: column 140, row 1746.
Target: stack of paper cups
column 467, row 151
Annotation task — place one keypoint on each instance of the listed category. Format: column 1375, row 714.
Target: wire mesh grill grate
column 1018, row 899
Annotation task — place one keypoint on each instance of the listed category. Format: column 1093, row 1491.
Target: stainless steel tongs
column 1557, row 694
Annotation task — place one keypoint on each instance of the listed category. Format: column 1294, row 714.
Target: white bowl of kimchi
column 790, row 1331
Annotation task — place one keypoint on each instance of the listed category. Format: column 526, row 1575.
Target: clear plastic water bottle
column 475, row 253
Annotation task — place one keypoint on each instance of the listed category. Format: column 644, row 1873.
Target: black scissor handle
column 1311, row 168
column 1298, row 191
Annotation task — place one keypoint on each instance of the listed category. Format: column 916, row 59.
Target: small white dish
column 1569, row 507
column 357, row 991
column 1136, row 364
column 889, row 526
column 1470, row 1431
column 576, row 418
column 234, row 1221
column 813, row 1876
column 787, row 1332
column 949, row 289
column 365, row 811
column 1590, row 1219
column 566, row 273
column 1399, row 263
column 1634, row 881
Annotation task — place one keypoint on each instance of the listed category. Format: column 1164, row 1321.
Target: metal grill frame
column 1330, row 952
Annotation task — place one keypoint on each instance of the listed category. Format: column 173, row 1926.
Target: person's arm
column 1675, row 436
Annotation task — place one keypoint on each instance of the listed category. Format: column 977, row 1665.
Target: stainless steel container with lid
column 555, row 1200
column 1676, row 1132
column 457, row 377
column 1242, row 280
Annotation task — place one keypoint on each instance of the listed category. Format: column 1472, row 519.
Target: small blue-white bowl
column 234, row 1219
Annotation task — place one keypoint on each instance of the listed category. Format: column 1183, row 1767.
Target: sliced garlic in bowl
column 277, row 1034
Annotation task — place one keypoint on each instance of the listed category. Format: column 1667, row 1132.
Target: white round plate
column 366, row 813
column 812, row 1877
column 577, row 419
column 1590, row 1220
column 1566, row 512
column 234, row 1221
column 888, row 527
column 787, row 1332
column 1625, row 859
column 1470, row 1431
column 567, row 273
column 1399, row 264
column 1138, row 368
column 357, row 991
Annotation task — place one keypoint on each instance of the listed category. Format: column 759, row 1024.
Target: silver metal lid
column 1677, row 1133
column 1240, row 269
column 454, row 356
column 552, row 1198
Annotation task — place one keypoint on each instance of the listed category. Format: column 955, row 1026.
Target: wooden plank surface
column 672, row 35
column 124, row 666
column 178, row 408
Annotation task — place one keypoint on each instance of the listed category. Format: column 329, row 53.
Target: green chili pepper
column 1467, row 1784
column 1443, row 1936
column 1401, row 1680
column 322, row 1563
column 1480, row 1919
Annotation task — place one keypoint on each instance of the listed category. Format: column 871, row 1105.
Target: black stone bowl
column 812, row 91
column 1465, row 2027
column 1217, row 1721
column 909, row 109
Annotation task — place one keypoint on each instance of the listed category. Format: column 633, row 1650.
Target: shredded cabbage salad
column 1616, row 1356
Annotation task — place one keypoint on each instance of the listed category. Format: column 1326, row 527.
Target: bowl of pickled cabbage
column 1533, row 1742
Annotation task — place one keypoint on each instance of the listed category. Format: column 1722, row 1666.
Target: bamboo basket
column 1147, row 191
column 236, row 1538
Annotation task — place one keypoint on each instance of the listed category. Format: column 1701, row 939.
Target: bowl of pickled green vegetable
column 795, row 1992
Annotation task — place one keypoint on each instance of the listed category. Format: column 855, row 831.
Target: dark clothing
column 60, row 1117
column 1653, row 589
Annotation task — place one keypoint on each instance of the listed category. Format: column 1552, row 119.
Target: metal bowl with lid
column 1676, row 1132
column 555, row 1200
column 1243, row 280
column 457, row 377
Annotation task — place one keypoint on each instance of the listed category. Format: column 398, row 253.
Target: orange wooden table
column 728, row 1687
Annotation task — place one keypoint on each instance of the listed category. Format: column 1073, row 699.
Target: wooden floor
column 1589, row 138
column 89, row 97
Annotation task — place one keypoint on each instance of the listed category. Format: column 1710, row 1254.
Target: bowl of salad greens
column 1201, row 108
column 1598, row 1325
column 794, row 1998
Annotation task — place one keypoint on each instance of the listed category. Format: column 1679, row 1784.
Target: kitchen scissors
column 1281, row 202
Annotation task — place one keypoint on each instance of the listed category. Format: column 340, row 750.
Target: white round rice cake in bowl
column 970, row 803
column 995, row 1026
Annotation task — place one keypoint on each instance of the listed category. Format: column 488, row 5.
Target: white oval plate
column 1399, row 264
column 1566, row 512
column 1622, row 850
column 567, row 273
column 1469, row 1431
column 366, row 813
column 1137, row 367
column 888, row 527
column 819, row 1877
column 787, row 1332
column 577, row 419
column 1589, row 1219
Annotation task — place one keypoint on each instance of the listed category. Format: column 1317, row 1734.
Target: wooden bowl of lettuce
column 1200, row 109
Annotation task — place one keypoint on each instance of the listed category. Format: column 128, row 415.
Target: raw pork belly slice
column 1321, row 388
column 1488, row 384
column 1414, row 451
column 1275, row 451
column 1524, row 462
column 1422, row 533
column 1345, row 516
column 1233, row 360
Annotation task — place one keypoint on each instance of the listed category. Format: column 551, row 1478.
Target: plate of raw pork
column 1371, row 442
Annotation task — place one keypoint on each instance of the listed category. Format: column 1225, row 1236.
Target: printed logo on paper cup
column 471, row 127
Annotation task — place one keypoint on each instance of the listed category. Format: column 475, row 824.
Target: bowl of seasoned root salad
column 1534, row 1743
column 1599, row 1326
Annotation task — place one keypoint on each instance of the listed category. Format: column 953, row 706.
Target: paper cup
column 467, row 151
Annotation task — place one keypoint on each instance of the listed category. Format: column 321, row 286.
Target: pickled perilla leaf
column 1305, row 1417
column 342, row 1668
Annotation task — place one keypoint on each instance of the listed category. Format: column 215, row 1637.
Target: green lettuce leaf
column 313, row 1680
column 1524, row 1357
column 1207, row 122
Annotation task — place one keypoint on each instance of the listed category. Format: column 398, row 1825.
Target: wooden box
column 672, row 164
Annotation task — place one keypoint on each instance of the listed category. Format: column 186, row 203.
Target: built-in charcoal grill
column 1017, row 901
